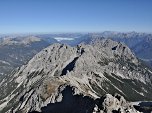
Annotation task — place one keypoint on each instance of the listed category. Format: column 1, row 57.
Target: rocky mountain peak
column 114, row 47
column 91, row 70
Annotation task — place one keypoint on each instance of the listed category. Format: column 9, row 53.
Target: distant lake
column 63, row 38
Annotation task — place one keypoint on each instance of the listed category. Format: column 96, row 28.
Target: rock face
column 113, row 104
column 139, row 43
column 64, row 79
column 71, row 103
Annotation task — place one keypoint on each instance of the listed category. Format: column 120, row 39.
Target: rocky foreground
column 82, row 79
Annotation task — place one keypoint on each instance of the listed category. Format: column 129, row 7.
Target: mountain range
column 17, row 50
column 92, row 77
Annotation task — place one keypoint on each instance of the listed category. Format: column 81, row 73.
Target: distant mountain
column 25, row 46
column 139, row 43
column 65, row 79
column 16, row 51
column 65, row 38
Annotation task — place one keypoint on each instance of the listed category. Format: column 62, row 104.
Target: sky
column 24, row 16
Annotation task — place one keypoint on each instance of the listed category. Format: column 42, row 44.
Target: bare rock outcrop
column 114, row 104
column 62, row 77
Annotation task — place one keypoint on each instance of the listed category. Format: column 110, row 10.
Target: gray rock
column 91, row 71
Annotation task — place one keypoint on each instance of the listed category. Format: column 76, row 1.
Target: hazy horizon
column 34, row 33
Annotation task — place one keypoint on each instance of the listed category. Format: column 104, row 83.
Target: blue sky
column 21, row 16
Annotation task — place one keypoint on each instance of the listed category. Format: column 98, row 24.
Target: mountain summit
column 65, row 79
